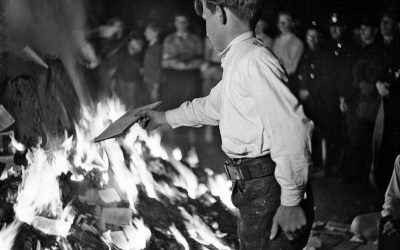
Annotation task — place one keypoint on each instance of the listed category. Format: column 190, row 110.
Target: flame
column 177, row 154
column 132, row 237
column 179, row 237
column 192, row 157
column 8, row 234
column 17, row 145
column 219, row 186
column 39, row 193
column 200, row 232
column 124, row 178
column 123, row 167
column 187, row 179
column 67, row 218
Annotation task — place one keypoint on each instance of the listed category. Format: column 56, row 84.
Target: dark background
column 135, row 13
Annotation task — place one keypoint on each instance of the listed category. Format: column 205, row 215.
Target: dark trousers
column 386, row 242
column 257, row 201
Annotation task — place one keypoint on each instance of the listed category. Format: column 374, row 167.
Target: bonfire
column 124, row 193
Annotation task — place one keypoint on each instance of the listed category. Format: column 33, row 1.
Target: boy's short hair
column 249, row 10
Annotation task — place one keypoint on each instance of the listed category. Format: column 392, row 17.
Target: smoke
column 55, row 27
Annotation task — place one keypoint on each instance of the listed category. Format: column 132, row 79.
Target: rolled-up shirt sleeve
column 284, row 122
column 200, row 111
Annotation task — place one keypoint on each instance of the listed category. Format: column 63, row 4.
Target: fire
column 39, row 193
column 220, row 187
column 178, row 236
column 17, row 145
column 177, row 154
column 200, row 232
column 8, row 234
column 126, row 167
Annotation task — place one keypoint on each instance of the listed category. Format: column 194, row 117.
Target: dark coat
column 311, row 78
column 387, row 139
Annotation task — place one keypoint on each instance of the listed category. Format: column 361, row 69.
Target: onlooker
column 127, row 78
column 111, row 35
column 363, row 103
column 152, row 70
column 388, row 28
column 288, row 47
column 182, row 57
column 368, row 32
column 108, row 43
column 339, row 62
column 386, row 142
column 313, row 92
column 261, row 33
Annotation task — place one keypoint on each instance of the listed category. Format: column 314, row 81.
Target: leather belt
column 249, row 168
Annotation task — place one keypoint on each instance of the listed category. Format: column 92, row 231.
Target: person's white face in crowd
column 387, row 26
column 150, row 34
column 367, row 33
column 181, row 24
column 285, row 23
column 214, row 27
column 312, row 38
column 261, row 26
column 135, row 46
column 336, row 31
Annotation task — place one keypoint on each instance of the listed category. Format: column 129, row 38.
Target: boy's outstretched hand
column 150, row 119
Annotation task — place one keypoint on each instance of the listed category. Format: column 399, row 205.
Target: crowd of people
column 348, row 86
column 347, row 80
column 142, row 67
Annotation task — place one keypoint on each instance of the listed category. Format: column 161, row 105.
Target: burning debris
column 127, row 193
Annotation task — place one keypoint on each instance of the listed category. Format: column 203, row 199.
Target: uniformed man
column 340, row 57
column 313, row 92
column 363, row 102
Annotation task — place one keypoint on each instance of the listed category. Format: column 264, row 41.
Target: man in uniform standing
column 340, row 58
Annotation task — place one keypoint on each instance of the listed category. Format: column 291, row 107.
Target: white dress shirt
column 256, row 113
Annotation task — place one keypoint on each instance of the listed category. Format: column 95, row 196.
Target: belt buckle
column 227, row 170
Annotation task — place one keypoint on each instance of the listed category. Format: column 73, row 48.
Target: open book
column 126, row 121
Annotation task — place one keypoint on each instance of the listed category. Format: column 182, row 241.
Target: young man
column 313, row 94
column 181, row 61
column 263, row 128
column 287, row 46
column 152, row 70
column 386, row 142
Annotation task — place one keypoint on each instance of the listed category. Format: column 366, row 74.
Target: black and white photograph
column 199, row 125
